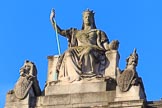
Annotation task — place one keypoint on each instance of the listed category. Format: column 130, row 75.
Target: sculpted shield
column 22, row 87
column 125, row 79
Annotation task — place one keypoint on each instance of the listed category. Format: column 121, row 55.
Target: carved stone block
column 134, row 93
column 52, row 62
column 113, row 60
column 84, row 86
column 76, row 100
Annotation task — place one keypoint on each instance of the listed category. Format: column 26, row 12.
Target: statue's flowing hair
column 93, row 19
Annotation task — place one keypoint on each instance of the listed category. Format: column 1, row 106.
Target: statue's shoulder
column 101, row 32
column 71, row 31
column 95, row 30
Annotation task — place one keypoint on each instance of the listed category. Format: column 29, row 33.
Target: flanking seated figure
column 85, row 55
column 27, row 82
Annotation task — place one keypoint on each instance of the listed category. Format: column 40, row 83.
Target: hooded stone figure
column 86, row 52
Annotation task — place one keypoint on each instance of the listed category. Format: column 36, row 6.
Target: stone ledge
column 76, row 99
column 128, row 104
column 13, row 102
column 95, row 85
column 154, row 104
column 134, row 93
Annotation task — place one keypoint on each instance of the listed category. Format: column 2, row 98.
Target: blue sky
column 26, row 33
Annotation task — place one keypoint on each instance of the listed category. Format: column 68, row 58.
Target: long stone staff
column 53, row 21
column 57, row 38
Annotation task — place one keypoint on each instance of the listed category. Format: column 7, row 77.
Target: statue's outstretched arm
column 55, row 26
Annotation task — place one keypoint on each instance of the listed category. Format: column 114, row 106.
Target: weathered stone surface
column 84, row 86
column 154, row 104
column 113, row 60
column 78, row 87
column 52, row 62
column 128, row 104
column 13, row 102
column 76, row 100
column 134, row 93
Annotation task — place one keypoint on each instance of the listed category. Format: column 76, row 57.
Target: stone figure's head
column 28, row 68
column 132, row 59
column 88, row 19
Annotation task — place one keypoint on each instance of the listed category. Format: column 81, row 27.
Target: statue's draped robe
column 85, row 55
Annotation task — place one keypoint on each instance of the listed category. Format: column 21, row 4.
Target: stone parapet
column 83, row 86
column 128, row 104
column 154, row 104
column 76, row 100
column 77, row 87
column 13, row 102
column 134, row 93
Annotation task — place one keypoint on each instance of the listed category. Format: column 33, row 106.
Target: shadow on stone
column 110, row 84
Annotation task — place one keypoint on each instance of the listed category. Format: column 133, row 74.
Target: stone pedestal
column 68, row 88
column 128, row 104
column 83, row 86
column 13, row 102
column 134, row 93
column 113, row 60
column 52, row 62
column 96, row 93
column 76, row 100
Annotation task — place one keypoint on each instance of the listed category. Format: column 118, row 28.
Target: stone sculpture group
column 87, row 73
